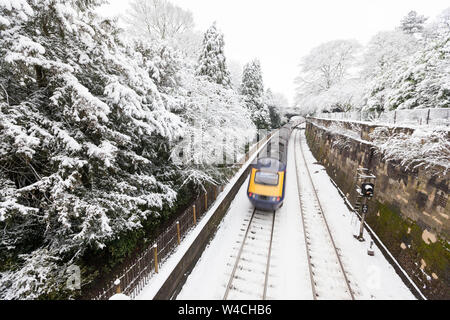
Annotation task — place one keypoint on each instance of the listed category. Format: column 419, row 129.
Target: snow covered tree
column 252, row 90
column 414, row 73
column 212, row 62
column 235, row 73
column 189, row 43
column 385, row 51
column 423, row 81
column 326, row 65
column 83, row 119
column 162, row 22
column 412, row 23
column 439, row 27
column 157, row 19
column 275, row 103
column 219, row 127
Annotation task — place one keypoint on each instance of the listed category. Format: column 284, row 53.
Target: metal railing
column 138, row 272
column 435, row 116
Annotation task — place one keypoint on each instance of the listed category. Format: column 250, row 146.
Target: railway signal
column 365, row 191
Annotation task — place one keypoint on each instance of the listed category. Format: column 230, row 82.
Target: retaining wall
column 410, row 211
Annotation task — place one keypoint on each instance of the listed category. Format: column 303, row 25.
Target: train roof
column 277, row 147
column 269, row 164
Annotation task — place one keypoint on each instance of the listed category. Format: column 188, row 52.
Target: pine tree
column 274, row 109
column 252, row 89
column 83, row 121
column 412, row 23
column 212, row 62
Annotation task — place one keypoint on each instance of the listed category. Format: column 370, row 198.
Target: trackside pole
column 364, row 210
column 195, row 217
column 365, row 183
column 155, row 250
column 117, row 284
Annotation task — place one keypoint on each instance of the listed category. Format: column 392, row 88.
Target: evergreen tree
column 423, row 81
column 82, row 122
column 412, row 23
column 252, row 89
column 212, row 62
column 274, row 109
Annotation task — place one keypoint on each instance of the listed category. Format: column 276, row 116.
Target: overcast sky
column 280, row 32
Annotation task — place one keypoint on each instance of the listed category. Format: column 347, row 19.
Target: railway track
column 328, row 277
column 250, row 273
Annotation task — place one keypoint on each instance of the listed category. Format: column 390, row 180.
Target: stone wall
column 410, row 211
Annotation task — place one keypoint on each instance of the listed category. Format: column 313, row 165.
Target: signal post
column 365, row 184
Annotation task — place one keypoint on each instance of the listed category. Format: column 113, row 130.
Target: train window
column 267, row 178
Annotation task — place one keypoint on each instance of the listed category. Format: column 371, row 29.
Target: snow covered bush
column 426, row 148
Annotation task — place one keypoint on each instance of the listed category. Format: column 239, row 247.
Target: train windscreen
column 267, row 178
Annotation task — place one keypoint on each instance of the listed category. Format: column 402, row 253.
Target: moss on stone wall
column 427, row 263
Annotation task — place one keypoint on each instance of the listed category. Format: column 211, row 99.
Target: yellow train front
column 266, row 187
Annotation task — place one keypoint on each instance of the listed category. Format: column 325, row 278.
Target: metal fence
column 137, row 273
column 436, row 116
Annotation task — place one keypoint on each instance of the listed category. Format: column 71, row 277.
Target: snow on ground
column 289, row 276
column 288, row 270
column 329, row 279
column 374, row 276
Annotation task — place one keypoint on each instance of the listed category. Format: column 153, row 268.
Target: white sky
column 280, row 32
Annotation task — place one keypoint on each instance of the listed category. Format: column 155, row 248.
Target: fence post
column 428, row 115
column 395, row 116
column 155, row 250
column 178, row 232
column 117, row 284
column 195, row 217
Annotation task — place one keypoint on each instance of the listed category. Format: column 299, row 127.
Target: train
column 267, row 183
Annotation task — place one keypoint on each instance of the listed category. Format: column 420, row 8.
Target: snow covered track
column 250, row 273
column 328, row 277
